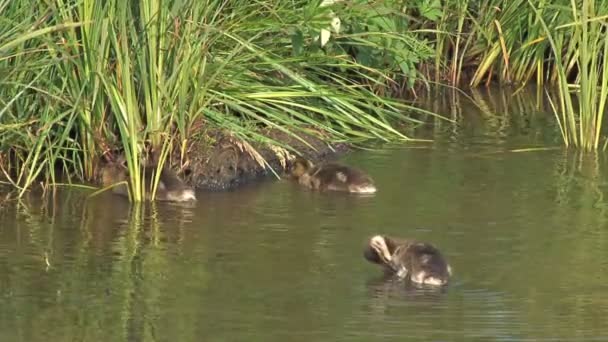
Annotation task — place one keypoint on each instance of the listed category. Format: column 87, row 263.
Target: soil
column 219, row 161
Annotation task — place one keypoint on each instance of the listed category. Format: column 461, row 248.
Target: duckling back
column 169, row 188
column 423, row 263
column 338, row 177
column 331, row 176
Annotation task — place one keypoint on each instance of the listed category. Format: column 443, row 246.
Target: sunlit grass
column 559, row 44
column 581, row 125
column 506, row 41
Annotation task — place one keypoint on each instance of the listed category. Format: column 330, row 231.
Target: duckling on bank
column 169, row 188
column 332, row 177
column 420, row 262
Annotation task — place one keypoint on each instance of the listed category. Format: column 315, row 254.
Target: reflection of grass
column 109, row 269
column 579, row 176
column 573, row 243
column 502, row 115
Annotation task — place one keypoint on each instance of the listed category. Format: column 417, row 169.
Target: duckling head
column 300, row 167
column 172, row 188
column 112, row 174
column 181, row 195
column 115, row 176
column 378, row 251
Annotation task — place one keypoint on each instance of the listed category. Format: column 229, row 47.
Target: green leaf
column 297, row 43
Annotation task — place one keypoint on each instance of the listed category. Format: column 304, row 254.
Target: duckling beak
column 379, row 245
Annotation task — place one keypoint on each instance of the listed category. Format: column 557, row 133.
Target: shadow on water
column 525, row 231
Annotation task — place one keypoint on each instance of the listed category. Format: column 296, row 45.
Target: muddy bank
column 220, row 161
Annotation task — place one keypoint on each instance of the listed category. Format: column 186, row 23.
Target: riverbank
column 221, row 161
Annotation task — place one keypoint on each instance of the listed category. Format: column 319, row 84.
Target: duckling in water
column 170, row 187
column 420, row 262
column 331, row 176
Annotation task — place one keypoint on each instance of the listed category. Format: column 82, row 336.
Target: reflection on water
column 526, row 234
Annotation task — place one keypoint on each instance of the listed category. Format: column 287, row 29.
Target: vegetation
column 582, row 127
column 82, row 80
column 560, row 43
column 152, row 73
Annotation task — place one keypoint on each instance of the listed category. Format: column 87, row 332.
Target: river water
column 525, row 231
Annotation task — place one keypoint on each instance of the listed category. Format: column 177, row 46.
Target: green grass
column 148, row 73
column 558, row 44
column 32, row 134
column 506, row 40
column 581, row 125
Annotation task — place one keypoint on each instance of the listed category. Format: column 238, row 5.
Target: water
column 526, row 233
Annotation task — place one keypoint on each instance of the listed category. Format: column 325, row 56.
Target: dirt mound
column 221, row 161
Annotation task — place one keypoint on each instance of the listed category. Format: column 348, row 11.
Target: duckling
column 331, row 176
column 169, row 188
column 420, row 262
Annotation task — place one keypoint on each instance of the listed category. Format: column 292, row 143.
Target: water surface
column 525, row 231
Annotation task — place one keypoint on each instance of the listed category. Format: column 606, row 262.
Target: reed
column 33, row 130
column 581, row 125
column 505, row 41
column 559, row 44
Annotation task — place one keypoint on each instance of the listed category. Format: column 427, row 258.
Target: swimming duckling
column 419, row 262
column 331, row 176
column 169, row 188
